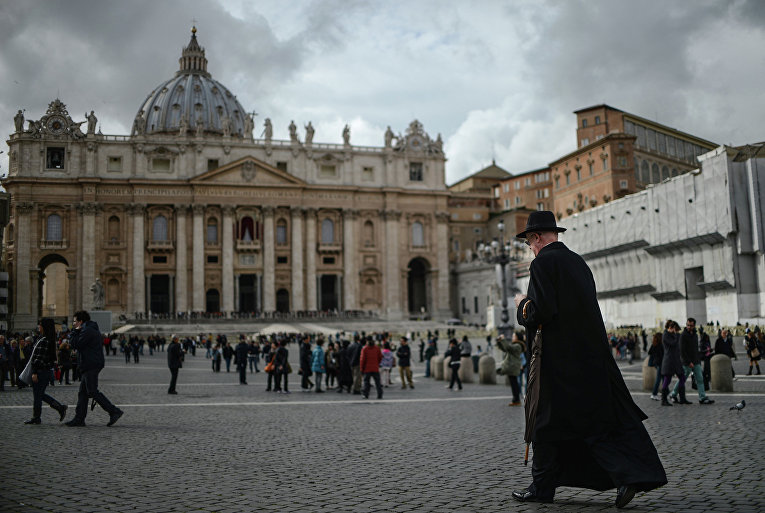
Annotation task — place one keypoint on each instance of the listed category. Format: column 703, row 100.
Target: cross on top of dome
column 193, row 58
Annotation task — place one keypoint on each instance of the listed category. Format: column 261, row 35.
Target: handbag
column 26, row 374
column 269, row 367
column 755, row 353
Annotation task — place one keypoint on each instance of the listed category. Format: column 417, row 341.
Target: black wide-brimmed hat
column 540, row 221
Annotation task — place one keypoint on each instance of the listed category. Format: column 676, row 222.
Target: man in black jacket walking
column 588, row 432
column 689, row 352
column 174, row 362
column 87, row 341
column 240, row 359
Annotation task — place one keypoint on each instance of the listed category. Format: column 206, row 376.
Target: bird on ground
column 739, row 406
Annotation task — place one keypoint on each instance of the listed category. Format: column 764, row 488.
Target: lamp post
column 499, row 253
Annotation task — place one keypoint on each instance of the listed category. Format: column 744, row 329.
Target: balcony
column 114, row 244
column 248, row 246
column 333, row 247
column 54, row 244
column 160, row 246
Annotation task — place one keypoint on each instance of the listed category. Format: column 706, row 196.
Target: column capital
column 442, row 217
column 198, row 209
column 181, row 208
column 310, row 211
column 136, row 209
column 268, row 211
column 89, row 208
column 391, row 215
column 296, row 211
column 228, row 210
column 24, row 207
column 350, row 213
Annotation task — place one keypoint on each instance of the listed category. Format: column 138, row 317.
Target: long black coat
column 174, row 356
column 88, row 343
column 582, row 392
column 671, row 364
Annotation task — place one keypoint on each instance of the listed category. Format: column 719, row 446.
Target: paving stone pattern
column 223, row 447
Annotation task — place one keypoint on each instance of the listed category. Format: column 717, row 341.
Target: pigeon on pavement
column 739, row 406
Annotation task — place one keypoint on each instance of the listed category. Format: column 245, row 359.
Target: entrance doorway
column 247, row 292
column 212, row 301
column 329, row 299
column 282, row 301
column 159, row 285
column 417, row 285
column 54, row 287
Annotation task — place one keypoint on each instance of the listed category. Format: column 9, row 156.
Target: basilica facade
column 191, row 213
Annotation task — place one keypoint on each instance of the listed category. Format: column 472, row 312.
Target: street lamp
column 497, row 252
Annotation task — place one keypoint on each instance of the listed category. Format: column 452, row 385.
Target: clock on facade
column 55, row 124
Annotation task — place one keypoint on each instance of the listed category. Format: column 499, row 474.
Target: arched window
column 246, row 229
column 637, row 170
column 327, row 231
column 370, row 295
column 369, row 234
column 664, row 173
column 655, row 176
column 212, row 231
column 645, row 173
column 281, row 232
column 418, row 236
column 53, row 228
column 159, row 228
column 113, row 292
column 674, row 171
column 114, row 229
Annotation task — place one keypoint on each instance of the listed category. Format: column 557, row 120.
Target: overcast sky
column 498, row 79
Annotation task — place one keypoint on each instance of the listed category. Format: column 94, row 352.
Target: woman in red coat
column 370, row 367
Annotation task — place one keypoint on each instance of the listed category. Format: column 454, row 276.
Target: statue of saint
column 388, row 137
column 92, row 120
column 347, row 135
column 268, row 131
column 293, row 132
column 200, row 127
column 139, row 125
column 184, row 126
column 98, row 294
column 309, row 133
column 18, row 120
column 248, row 125
column 439, row 143
column 226, row 125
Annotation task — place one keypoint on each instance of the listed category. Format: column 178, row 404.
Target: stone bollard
column 649, row 375
column 487, row 370
column 721, row 373
column 636, row 352
column 466, row 370
column 437, row 367
column 447, row 368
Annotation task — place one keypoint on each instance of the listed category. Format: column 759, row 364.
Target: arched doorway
column 159, row 293
column 282, row 301
column 212, row 301
column 53, row 295
column 328, row 293
column 417, row 286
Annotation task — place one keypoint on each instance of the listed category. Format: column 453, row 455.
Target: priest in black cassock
column 589, row 432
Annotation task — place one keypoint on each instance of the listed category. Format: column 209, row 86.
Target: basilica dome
column 192, row 102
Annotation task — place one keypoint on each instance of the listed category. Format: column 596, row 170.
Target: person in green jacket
column 430, row 352
column 511, row 365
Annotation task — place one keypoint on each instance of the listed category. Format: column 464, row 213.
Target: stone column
column 138, row 292
column 350, row 283
column 227, row 278
column 392, row 278
column 71, row 277
column 441, row 305
column 181, row 255
column 296, row 241
column 310, row 259
column 88, row 253
column 198, row 259
column 23, row 306
column 34, row 294
column 269, row 291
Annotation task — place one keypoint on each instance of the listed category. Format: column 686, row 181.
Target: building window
column 327, row 231
column 327, row 171
column 368, row 174
column 585, row 142
column 605, row 164
column 507, row 187
column 517, row 185
column 415, row 171
column 578, row 175
column 160, row 165
column 507, row 203
column 281, row 166
column 540, row 206
column 212, row 164
column 464, row 306
column 247, row 229
column 655, row 175
column 212, row 231
column 592, row 172
column 114, row 164
column 584, row 123
column 159, row 260
column 281, row 260
column 114, row 229
column 517, row 200
column 281, row 232
column 645, row 173
column 159, row 228
column 547, row 192
column 328, row 260
column 475, row 304
column 54, row 158
column 247, row 259
column 212, row 259
column 623, row 184
column 568, row 179
column 456, row 246
column 369, row 234
column 622, row 161
column 528, row 181
column 418, row 235
column 597, row 120
column 664, row 173
column 53, row 229
column 557, row 182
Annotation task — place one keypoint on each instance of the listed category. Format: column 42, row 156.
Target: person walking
column 174, row 362
column 369, row 363
column 318, row 364
column 655, row 357
column 86, row 340
column 281, row 363
column 689, row 354
column 430, row 352
column 253, row 356
column 64, row 361
column 355, row 361
column 344, row 371
column 404, row 355
column 511, row 364
column 753, row 351
column 228, row 353
column 386, row 364
column 705, row 352
column 304, row 353
column 43, row 357
column 672, row 365
column 241, row 353
column 453, row 353
column 587, row 431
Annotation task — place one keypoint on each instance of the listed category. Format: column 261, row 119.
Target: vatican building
column 191, row 214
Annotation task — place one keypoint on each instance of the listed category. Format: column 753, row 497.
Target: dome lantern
column 193, row 58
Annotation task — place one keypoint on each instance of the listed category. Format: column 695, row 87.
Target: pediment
column 247, row 171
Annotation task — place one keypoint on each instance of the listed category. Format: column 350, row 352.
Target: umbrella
column 532, row 390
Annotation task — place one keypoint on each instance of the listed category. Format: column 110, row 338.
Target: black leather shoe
column 114, row 417
column 624, row 495
column 35, row 420
column 74, row 423
column 527, row 496
column 62, row 412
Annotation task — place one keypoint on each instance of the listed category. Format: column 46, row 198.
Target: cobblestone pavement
column 223, row 447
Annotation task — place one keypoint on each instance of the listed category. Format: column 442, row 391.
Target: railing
column 54, row 244
column 248, row 245
column 160, row 245
column 140, row 318
column 330, row 248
